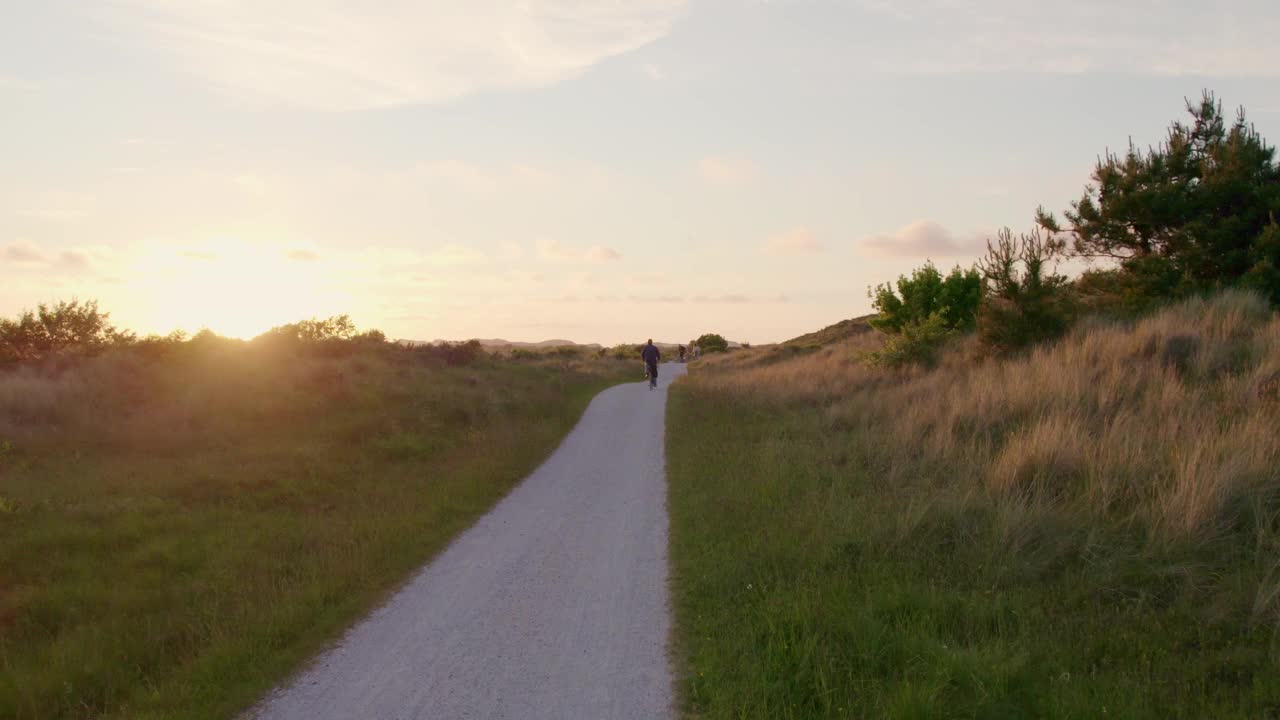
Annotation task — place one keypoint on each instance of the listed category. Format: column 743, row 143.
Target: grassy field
column 1089, row 531
column 178, row 533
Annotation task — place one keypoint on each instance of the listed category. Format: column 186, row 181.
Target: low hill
column 842, row 330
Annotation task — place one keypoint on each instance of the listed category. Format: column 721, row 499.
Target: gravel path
column 554, row 605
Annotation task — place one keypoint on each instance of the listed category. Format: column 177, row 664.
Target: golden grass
column 1168, row 421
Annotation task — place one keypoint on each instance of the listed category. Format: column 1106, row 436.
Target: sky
column 600, row 171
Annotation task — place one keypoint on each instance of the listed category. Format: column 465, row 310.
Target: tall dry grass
column 1090, row 530
column 1169, row 421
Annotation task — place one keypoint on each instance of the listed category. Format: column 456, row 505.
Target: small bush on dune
column 454, row 354
column 926, row 311
column 712, row 343
column 338, row 327
column 915, row 343
column 625, row 351
column 1264, row 275
column 1025, row 302
column 330, row 336
column 158, row 346
column 953, row 300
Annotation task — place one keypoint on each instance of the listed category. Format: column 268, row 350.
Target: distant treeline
column 70, row 330
column 77, row 329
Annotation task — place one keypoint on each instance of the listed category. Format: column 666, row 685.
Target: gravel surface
column 554, row 605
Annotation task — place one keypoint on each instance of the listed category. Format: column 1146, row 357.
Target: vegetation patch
column 1089, row 529
column 184, row 522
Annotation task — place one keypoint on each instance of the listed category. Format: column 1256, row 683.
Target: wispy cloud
column 924, row 238
column 600, row 253
column 727, row 170
column 36, row 258
column 57, row 205
column 649, row 279
column 797, row 242
column 945, row 36
column 556, row 251
column 333, row 55
column 23, row 251
column 74, row 260
column 454, row 254
column 302, row 255
column 736, row 299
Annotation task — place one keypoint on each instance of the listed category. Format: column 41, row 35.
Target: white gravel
column 554, row 605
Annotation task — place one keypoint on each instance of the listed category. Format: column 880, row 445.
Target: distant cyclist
column 651, row 355
column 681, row 353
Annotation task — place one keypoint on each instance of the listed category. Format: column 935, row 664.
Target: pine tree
column 1188, row 215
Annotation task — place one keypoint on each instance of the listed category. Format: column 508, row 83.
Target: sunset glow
column 598, row 172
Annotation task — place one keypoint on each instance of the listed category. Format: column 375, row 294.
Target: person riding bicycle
column 681, row 353
column 651, row 355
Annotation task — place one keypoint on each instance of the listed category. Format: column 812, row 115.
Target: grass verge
column 1089, row 531
column 177, row 534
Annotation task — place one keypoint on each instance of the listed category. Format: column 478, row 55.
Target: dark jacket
column 650, row 354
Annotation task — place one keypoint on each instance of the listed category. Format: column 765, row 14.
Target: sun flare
column 234, row 287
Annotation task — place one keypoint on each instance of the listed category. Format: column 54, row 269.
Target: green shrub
column 625, row 351
column 456, row 354
column 711, row 342
column 338, row 327
column 952, row 299
column 916, row 342
column 157, row 346
column 1025, row 301
column 1264, row 276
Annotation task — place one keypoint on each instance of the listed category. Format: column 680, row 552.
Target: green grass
column 177, row 535
column 828, row 563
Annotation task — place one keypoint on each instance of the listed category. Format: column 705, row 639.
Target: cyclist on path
column 651, row 355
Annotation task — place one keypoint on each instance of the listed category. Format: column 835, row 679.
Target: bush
column 712, row 342
column 454, row 354
column 68, row 328
column 1025, row 302
column 338, row 327
column 625, row 351
column 953, row 300
column 1264, row 276
column 916, row 342
column 157, row 346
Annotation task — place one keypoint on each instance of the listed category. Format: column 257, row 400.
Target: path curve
column 553, row 605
